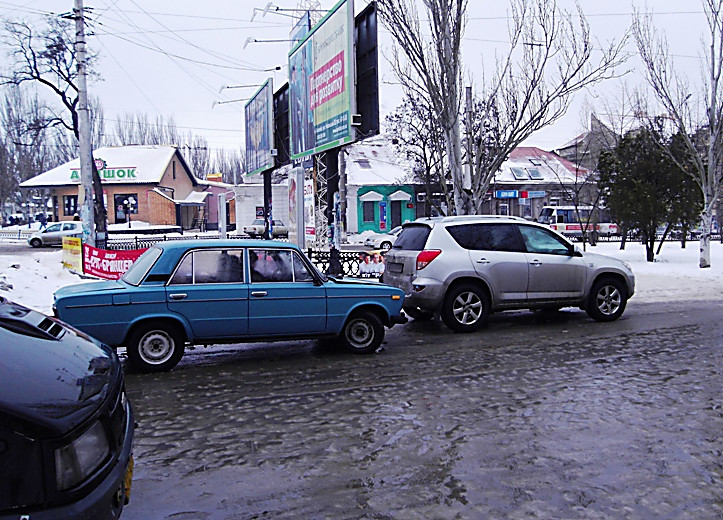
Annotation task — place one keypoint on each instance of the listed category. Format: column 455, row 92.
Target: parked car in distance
column 383, row 241
column 66, row 426
column 463, row 268
column 226, row 291
column 54, row 233
column 256, row 229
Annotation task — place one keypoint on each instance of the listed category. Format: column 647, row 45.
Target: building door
column 396, row 209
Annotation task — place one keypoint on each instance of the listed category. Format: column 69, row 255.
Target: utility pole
column 87, row 213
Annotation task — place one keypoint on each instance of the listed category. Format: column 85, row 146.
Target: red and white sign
column 108, row 264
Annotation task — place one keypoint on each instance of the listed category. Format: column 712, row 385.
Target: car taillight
column 425, row 257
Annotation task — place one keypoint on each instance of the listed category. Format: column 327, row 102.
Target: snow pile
column 32, row 277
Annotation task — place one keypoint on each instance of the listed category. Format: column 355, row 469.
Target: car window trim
column 193, row 262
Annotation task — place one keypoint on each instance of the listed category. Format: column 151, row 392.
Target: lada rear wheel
column 608, row 298
column 465, row 308
column 155, row 348
column 363, row 333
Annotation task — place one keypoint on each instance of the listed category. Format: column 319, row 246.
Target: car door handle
column 177, row 296
column 258, row 294
column 483, row 261
column 535, row 262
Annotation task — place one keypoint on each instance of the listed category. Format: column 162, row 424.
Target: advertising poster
column 73, row 254
column 309, row 220
column 260, row 129
column 321, row 84
column 108, row 264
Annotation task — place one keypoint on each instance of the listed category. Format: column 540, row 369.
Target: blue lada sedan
column 226, row 291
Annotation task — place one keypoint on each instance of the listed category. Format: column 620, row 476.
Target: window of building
column 535, row 174
column 364, row 163
column 519, row 173
column 70, row 205
column 368, row 211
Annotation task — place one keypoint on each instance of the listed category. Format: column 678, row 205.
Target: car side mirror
column 576, row 251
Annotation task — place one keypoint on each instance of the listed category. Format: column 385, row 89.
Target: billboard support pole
column 332, row 189
column 342, row 196
column 268, row 222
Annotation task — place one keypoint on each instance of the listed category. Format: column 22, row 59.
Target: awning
column 195, row 198
column 371, row 196
column 400, row 195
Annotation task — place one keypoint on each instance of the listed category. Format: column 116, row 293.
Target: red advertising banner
column 108, row 264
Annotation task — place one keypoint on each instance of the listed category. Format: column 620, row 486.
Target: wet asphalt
column 535, row 416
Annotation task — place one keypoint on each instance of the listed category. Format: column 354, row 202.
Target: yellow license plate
column 128, row 479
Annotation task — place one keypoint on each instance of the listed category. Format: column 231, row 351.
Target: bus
column 564, row 220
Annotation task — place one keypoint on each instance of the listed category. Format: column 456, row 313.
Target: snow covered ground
column 32, row 277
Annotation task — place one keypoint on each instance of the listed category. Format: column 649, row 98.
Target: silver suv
column 462, row 268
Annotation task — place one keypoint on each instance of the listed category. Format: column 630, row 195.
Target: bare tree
column 230, row 164
column 26, row 129
column 138, row 129
column 416, row 135
column 432, row 72
column 48, row 58
column 549, row 60
column 695, row 114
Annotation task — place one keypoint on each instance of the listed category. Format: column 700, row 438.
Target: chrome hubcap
column 609, row 300
column 467, row 308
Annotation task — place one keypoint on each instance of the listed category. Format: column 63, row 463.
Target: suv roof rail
column 482, row 217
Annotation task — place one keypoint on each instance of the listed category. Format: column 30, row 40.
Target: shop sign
column 123, row 173
column 507, row 194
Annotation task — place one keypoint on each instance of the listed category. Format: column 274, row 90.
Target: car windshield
column 257, row 223
column 138, row 270
column 412, row 238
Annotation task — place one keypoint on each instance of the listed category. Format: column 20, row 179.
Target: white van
column 570, row 221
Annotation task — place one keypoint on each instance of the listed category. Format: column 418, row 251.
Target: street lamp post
column 128, row 205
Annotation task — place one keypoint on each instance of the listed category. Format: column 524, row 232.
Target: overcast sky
column 174, row 57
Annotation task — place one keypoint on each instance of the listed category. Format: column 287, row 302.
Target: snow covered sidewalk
column 31, row 278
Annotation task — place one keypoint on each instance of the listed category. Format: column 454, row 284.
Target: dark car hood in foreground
column 52, row 384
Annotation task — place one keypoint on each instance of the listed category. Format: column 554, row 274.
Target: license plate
column 395, row 267
column 128, row 479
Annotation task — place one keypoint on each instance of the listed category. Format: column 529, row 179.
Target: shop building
column 140, row 183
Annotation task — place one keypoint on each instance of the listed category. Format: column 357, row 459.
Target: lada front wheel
column 155, row 348
column 465, row 308
column 363, row 333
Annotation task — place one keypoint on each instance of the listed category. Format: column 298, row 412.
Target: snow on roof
column 375, row 161
column 531, row 165
column 121, row 165
column 194, row 198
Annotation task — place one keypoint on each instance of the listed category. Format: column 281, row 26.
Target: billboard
column 321, row 84
column 260, row 129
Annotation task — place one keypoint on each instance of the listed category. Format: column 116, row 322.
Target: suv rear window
column 412, row 238
column 487, row 237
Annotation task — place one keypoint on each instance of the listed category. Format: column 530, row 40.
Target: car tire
column 155, row 348
column 465, row 308
column 607, row 300
column 363, row 333
column 419, row 314
column 385, row 246
column 36, row 242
